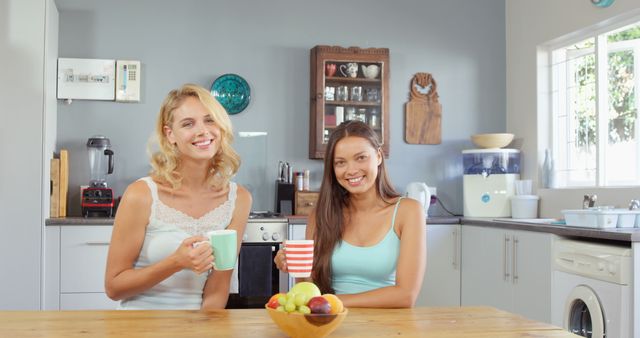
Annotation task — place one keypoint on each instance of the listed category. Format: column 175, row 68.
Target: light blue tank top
column 358, row 269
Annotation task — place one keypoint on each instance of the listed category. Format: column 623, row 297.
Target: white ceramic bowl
column 494, row 140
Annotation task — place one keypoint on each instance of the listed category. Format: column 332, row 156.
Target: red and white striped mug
column 299, row 257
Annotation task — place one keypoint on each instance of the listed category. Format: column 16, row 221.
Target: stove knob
column 265, row 236
column 275, row 236
column 245, row 237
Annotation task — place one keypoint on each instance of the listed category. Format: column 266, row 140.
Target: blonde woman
column 153, row 262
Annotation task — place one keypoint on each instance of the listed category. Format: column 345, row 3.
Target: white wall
column 23, row 46
column 528, row 25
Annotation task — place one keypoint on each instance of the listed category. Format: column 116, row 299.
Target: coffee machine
column 97, row 199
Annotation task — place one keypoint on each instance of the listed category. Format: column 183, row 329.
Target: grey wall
column 461, row 42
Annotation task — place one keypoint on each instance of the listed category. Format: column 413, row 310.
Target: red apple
column 319, row 305
column 273, row 301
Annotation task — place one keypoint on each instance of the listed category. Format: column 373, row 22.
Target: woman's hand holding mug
column 281, row 261
column 193, row 256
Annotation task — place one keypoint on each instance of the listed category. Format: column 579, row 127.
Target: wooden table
column 417, row 322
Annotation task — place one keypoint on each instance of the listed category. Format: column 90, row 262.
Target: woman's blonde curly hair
column 164, row 162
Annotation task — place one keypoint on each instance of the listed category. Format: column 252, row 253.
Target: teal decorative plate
column 602, row 3
column 232, row 91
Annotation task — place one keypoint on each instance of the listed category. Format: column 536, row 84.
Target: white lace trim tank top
column 167, row 228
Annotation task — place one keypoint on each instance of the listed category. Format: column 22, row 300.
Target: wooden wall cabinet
column 305, row 202
column 348, row 84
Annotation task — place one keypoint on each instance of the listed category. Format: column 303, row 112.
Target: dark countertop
column 80, row 221
column 292, row 220
column 613, row 234
column 431, row 220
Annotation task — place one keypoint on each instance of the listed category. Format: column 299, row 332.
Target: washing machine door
column 583, row 313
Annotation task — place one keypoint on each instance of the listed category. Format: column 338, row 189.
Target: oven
column 257, row 276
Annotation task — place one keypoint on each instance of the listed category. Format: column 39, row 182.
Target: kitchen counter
column 417, row 322
column 294, row 219
column 613, row 234
column 79, row 221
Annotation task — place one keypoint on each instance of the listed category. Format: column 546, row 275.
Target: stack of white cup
column 523, row 203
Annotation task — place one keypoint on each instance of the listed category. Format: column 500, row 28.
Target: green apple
column 308, row 289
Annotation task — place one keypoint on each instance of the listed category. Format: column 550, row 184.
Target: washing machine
column 591, row 290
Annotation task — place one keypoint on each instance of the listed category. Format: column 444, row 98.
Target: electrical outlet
column 433, row 191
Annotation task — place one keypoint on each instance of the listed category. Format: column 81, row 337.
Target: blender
column 97, row 199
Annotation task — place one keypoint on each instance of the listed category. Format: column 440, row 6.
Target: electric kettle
column 419, row 191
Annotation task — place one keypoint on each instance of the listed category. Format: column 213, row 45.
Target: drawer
column 305, row 201
column 83, row 258
column 87, row 301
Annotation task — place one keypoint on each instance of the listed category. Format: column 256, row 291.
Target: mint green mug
column 225, row 248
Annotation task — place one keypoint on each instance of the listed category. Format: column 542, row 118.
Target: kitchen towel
column 255, row 264
column 233, row 287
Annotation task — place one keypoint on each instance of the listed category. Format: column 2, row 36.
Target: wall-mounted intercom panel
column 127, row 81
column 86, row 79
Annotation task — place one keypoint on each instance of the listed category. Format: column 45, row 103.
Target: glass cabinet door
column 352, row 92
column 347, row 84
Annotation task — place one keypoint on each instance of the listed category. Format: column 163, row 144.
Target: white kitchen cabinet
column 81, row 262
column 441, row 286
column 507, row 269
column 297, row 231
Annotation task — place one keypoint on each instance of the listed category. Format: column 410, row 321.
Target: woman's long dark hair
column 330, row 217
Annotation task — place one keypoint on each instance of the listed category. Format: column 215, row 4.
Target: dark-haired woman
column 370, row 243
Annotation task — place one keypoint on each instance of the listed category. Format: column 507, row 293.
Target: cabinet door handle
column 455, row 249
column 504, row 257
column 308, row 204
column 515, row 260
column 97, row 243
column 568, row 260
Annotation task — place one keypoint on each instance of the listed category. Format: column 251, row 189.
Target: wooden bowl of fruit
column 304, row 313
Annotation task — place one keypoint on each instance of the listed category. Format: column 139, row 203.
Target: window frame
column 547, row 61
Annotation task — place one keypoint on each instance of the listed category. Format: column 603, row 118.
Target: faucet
column 589, row 201
column 634, row 204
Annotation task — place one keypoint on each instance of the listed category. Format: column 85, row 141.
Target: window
column 594, row 110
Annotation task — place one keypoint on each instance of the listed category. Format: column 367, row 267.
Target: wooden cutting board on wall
column 423, row 112
column 64, row 181
column 54, row 205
